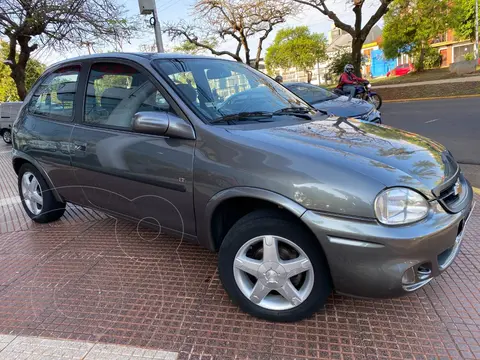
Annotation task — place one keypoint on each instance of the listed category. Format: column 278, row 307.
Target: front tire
column 7, row 136
column 273, row 268
column 37, row 197
column 376, row 101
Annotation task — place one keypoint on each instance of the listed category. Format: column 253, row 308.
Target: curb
column 433, row 98
column 476, row 190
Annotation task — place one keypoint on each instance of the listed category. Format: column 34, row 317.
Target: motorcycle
column 364, row 92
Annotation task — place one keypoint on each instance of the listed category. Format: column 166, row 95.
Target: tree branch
column 175, row 32
column 382, row 10
column 322, row 7
column 358, row 18
column 260, row 46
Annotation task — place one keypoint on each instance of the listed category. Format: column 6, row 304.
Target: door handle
column 80, row 146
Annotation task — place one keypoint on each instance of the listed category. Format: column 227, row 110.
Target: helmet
column 279, row 78
column 348, row 68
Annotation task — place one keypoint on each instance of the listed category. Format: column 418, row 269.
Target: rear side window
column 55, row 97
column 311, row 94
column 116, row 92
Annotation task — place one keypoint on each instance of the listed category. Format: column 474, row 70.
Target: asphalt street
column 453, row 122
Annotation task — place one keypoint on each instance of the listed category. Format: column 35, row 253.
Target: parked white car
column 8, row 114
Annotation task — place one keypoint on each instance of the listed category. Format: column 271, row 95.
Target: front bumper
column 373, row 116
column 368, row 259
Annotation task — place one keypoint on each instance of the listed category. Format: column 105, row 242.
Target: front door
column 443, row 54
column 146, row 178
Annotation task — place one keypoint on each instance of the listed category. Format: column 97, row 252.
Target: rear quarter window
column 55, row 96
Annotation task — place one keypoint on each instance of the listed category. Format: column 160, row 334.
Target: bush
column 469, row 56
column 339, row 61
column 432, row 59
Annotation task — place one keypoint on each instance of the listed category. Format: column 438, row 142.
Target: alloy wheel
column 32, row 193
column 7, row 136
column 273, row 272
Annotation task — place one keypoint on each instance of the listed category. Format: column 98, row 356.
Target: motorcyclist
column 348, row 80
column 279, row 79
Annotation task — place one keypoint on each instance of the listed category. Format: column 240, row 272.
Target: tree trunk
column 421, row 59
column 19, row 67
column 18, row 75
column 357, row 44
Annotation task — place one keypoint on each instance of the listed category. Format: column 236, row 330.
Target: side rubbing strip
column 357, row 243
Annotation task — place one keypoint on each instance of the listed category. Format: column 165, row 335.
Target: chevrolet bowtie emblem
column 457, row 189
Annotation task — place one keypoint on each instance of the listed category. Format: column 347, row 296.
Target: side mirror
column 162, row 123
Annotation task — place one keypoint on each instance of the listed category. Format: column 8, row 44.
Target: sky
column 176, row 10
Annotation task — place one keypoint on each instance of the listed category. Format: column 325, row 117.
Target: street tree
column 57, row 25
column 409, row 27
column 246, row 23
column 462, row 18
column 8, row 91
column 296, row 47
column 187, row 47
column 359, row 34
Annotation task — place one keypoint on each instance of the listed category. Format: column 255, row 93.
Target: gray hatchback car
column 295, row 202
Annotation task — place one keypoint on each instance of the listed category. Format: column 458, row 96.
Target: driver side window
column 116, row 92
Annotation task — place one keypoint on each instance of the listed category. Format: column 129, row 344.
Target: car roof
column 136, row 56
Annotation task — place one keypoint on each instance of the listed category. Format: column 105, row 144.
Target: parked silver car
column 296, row 203
column 325, row 100
column 8, row 114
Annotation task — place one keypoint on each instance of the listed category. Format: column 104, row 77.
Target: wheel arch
column 238, row 202
column 18, row 160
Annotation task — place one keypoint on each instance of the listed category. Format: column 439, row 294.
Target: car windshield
column 218, row 89
column 311, row 93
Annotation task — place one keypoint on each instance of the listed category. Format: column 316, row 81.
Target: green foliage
column 339, row 61
column 432, row 59
column 469, row 56
column 462, row 18
column 295, row 47
column 8, row 89
column 410, row 24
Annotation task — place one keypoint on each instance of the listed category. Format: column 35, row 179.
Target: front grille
column 452, row 196
column 451, row 193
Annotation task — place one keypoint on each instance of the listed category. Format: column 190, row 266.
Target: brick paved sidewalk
column 94, row 279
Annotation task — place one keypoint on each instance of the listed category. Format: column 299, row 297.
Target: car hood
column 341, row 106
column 387, row 155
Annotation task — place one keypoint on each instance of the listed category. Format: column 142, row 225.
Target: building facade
column 450, row 48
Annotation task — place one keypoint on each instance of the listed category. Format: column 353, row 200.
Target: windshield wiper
column 244, row 116
column 301, row 112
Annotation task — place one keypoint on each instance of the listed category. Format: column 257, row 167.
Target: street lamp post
column 158, row 32
column 476, row 30
column 148, row 7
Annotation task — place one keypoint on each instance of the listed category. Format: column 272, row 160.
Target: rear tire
column 7, row 136
column 292, row 286
column 37, row 197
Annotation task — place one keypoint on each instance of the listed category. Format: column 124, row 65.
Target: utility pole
column 476, row 30
column 148, row 7
column 158, row 31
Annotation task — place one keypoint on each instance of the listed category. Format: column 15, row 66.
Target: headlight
column 367, row 115
column 399, row 206
column 369, row 86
